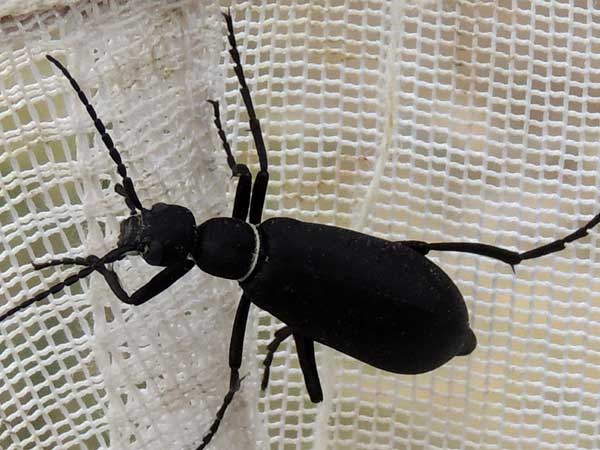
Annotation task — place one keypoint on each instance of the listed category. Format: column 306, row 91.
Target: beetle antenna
column 125, row 190
column 98, row 263
column 245, row 92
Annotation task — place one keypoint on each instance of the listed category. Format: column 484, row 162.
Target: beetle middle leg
column 280, row 335
column 236, row 348
column 306, row 357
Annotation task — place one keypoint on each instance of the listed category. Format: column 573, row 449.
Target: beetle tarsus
column 280, row 335
column 235, row 384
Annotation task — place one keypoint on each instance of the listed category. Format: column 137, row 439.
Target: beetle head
column 163, row 234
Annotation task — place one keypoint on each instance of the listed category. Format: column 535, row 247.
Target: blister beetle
column 381, row 302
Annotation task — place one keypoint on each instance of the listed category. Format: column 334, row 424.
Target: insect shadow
column 381, row 302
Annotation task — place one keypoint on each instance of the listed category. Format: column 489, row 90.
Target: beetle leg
column 242, row 192
column 280, row 335
column 259, row 190
column 109, row 275
column 306, row 357
column 502, row 254
column 112, row 256
column 158, row 283
column 236, row 348
column 161, row 281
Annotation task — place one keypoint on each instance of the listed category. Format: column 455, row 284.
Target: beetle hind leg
column 502, row 254
column 236, row 348
column 306, row 357
column 308, row 364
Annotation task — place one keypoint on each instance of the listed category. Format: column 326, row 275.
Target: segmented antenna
column 112, row 256
column 245, row 92
column 126, row 190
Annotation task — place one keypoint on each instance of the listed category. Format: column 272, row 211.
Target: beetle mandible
column 381, row 302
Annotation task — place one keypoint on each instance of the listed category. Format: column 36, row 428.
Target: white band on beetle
column 254, row 255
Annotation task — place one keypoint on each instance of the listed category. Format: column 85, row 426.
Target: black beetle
column 381, row 302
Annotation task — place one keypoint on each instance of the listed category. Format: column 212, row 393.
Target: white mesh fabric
column 438, row 121
column 82, row 370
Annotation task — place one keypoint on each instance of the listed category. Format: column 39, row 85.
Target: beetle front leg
column 109, row 275
column 111, row 278
column 161, row 281
column 158, row 283
column 308, row 364
column 236, row 348
column 98, row 264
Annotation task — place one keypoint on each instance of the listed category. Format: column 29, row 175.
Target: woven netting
column 436, row 121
